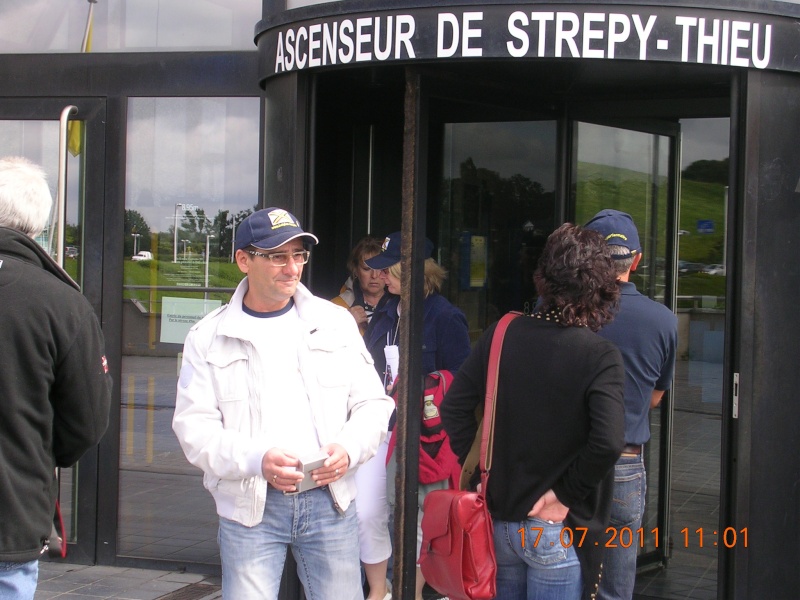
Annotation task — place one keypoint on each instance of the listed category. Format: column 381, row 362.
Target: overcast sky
column 704, row 139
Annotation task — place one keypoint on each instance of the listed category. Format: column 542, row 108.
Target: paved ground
column 79, row 582
column 168, row 515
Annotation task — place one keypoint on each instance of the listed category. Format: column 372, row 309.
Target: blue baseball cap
column 619, row 230
column 390, row 252
column 269, row 228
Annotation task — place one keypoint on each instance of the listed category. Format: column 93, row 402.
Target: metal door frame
column 92, row 111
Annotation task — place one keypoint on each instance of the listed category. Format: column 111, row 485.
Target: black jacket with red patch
column 55, row 389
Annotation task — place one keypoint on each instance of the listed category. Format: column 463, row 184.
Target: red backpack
column 436, row 459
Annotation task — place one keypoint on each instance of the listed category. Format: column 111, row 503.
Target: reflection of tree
column 517, row 214
column 194, row 225
column 224, row 226
column 135, row 223
column 72, row 235
column 709, row 171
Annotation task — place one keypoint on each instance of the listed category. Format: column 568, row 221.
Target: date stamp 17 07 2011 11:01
column 626, row 537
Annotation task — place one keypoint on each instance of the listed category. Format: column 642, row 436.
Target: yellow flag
column 75, row 137
column 75, row 132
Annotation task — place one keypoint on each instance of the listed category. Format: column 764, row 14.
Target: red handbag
column 457, row 555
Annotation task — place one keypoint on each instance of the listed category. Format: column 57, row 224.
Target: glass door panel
column 697, row 390
column 497, row 207
column 630, row 171
column 38, row 141
column 191, row 178
column 32, row 130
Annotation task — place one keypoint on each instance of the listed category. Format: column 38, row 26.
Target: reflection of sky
column 703, row 139
column 528, row 148
column 128, row 25
column 511, row 148
column 298, row 3
column 620, row 148
column 201, row 151
column 38, row 142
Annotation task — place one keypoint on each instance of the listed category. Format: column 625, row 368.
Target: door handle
column 61, row 191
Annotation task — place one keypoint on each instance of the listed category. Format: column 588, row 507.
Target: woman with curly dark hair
column 559, row 424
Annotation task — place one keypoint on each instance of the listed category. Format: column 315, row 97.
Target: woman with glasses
column 445, row 343
column 559, row 425
column 362, row 294
column 364, row 291
column 445, row 338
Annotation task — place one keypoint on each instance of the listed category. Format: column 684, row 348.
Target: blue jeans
column 323, row 541
column 619, row 564
column 18, row 580
column 541, row 570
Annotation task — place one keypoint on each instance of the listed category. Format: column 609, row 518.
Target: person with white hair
column 55, row 388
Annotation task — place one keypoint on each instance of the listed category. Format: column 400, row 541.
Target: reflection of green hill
column 603, row 186
column 702, row 202
column 590, row 171
column 700, row 284
column 221, row 274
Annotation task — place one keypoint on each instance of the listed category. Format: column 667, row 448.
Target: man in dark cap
column 276, row 380
column 646, row 334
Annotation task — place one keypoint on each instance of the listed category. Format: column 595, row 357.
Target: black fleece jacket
column 55, row 390
column 559, row 424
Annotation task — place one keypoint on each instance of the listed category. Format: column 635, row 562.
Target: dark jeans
column 619, row 565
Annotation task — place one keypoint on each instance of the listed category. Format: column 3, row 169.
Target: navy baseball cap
column 269, row 228
column 619, row 230
column 390, row 252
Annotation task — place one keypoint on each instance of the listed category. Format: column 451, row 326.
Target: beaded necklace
column 553, row 315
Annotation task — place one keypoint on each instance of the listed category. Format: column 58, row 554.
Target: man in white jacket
column 268, row 381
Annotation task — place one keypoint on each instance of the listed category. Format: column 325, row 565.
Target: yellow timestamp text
column 625, row 537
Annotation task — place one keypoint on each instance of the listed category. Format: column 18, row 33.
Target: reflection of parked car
column 715, row 270
column 143, row 255
column 71, row 252
column 689, row 267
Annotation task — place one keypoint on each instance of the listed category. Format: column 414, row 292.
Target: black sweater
column 55, row 390
column 559, row 424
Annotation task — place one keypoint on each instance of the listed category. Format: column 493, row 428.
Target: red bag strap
column 492, row 377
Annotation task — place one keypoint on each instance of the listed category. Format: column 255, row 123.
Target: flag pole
column 87, row 34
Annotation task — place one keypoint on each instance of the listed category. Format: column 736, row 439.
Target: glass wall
column 38, row 141
column 697, row 389
column 497, row 209
column 127, row 25
column 629, row 171
column 191, row 177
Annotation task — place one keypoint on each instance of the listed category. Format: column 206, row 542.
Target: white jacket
column 219, row 410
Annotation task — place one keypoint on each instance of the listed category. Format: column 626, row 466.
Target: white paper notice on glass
column 392, row 354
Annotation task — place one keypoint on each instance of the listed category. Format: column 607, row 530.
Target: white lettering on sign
column 619, row 30
column 534, row 34
column 643, row 31
column 728, row 42
column 589, row 19
column 330, row 43
column 449, row 31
